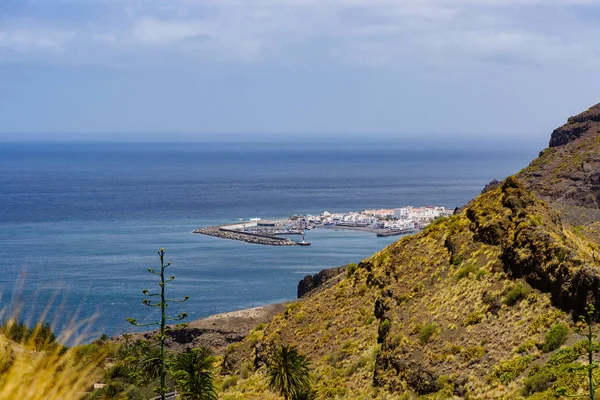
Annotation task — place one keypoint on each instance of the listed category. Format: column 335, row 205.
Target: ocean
column 81, row 223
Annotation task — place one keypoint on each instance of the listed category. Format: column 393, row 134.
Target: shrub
column 359, row 364
column 509, row 370
column 348, row 347
column 480, row 274
column 402, row 299
column 351, row 269
column 473, row 353
column 537, row 383
column 526, row 347
column 289, row 309
column 426, row 332
column 418, row 287
column 229, row 382
column 456, row 259
column 555, row 337
column 473, row 318
column 384, row 327
column 516, row 293
column 260, row 327
column 300, row 317
column 464, row 271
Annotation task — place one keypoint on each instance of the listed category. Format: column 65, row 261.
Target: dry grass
column 40, row 369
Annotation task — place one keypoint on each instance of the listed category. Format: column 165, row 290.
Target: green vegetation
column 40, row 335
column 517, row 292
column 555, row 337
column 473, row 318
column 288, row 373
column 509, row 370
column 537, row 383
column 352, row 267
column 465, row 271
column 162, row 304
column 585, row 329
column 193, row 374
column 426, row 332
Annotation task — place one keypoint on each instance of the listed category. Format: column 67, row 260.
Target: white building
column 401, row 213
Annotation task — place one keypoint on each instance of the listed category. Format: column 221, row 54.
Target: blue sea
column 81, row 223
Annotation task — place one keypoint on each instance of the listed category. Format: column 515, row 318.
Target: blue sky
column 231, row 69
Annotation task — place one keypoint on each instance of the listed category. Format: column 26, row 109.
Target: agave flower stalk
column 162, row 304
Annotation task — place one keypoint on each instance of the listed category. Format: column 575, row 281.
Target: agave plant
column 288, row 373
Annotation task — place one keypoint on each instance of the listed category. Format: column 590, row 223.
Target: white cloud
column 27, row 37
column 155, row 31
column 364, row 32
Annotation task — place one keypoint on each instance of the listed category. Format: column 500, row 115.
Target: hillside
column 462, row 309
column 567, row 174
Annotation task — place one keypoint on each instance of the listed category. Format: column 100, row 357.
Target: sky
column 193, row 70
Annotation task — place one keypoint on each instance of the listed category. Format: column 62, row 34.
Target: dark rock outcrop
column 576, row 127
column 313, row 282
column 492, row 185
column 394, row 372
column 567, row 174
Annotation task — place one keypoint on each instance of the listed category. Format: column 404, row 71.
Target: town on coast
column 279, row 232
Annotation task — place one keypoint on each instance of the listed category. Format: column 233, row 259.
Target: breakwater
column 255, row 238
column 396, row 233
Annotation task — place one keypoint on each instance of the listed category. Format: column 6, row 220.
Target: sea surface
column 81, row 223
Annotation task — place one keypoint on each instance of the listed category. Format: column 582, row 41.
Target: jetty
column 387, row 233
column 226, row 232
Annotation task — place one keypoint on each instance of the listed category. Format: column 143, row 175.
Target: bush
column 229, row 382
column 384, row 328
column 537, row 383
column 426, row 332
column 456, row 259
column 473, row 318
column 259, row 327
column 473, row 353
column 464, row 271
column 516, row 293
column 509, row 370
column 351, row 269
column 555, row 337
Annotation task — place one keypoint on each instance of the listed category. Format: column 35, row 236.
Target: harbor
column 279, row 232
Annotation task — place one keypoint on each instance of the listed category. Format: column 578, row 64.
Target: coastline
column 218, row 331
column 215, row 331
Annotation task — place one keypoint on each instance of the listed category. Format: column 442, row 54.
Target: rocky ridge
column 567, row 174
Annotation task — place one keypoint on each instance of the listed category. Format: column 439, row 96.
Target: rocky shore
column 220, row 232
column 218, row 331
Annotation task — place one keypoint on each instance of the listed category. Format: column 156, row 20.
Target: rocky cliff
column 320, row 280
column 567, row 174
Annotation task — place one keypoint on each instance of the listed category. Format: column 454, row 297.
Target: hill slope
column 467, row 308
column 567, row 174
